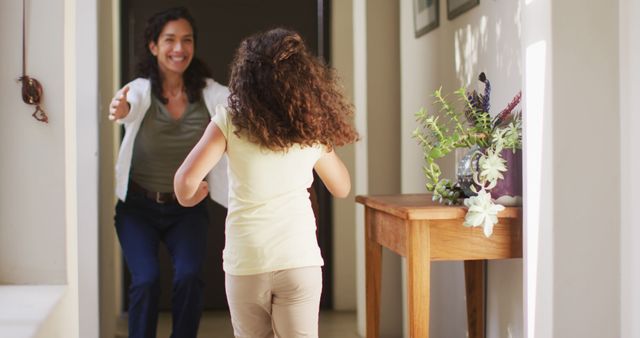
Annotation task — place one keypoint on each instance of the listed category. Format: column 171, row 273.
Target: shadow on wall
column 483, row 38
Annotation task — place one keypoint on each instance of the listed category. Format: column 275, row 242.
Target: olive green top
column 163, row 143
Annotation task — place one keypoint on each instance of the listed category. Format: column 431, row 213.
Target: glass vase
column 508, row 191
column 467, row 165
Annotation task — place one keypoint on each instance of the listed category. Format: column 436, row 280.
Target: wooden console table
column 423, row 231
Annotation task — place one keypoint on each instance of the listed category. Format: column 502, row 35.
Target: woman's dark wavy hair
column 282, row 95
column 195, row 75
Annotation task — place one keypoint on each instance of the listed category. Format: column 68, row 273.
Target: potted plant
column 493, row 153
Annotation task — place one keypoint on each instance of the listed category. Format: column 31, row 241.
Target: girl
column 285, row 117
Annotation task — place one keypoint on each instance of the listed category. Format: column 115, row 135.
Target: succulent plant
column 472, row 126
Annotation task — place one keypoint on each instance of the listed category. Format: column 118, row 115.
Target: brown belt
column 158, row 197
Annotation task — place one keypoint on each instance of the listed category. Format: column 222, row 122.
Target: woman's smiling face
column 174, row 48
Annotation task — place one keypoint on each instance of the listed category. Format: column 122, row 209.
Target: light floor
column 217, row 324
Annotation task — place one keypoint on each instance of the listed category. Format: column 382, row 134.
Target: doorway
column 222, row 24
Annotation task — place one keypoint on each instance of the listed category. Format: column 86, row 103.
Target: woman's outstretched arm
column 188, row 182
column 334, row 174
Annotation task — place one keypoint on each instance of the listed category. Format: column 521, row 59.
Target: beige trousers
column 284, row 303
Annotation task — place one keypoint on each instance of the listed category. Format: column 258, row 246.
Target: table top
column 421, row 207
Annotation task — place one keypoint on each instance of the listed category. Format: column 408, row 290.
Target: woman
column 165, row 112
column 285, row 118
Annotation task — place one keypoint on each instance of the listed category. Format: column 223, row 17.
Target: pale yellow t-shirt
column 270, row 223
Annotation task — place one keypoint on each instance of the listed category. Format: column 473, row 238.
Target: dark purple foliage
column 507, row 114
column 487, row 92
column 479, row 102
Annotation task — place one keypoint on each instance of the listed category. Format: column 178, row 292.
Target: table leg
column 474, row 275
column 373, row 260
column 418, row 278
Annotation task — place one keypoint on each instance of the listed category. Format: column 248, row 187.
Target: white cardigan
column 139, row 97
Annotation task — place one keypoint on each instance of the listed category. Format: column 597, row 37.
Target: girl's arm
column 333, row 174
column 188, row 183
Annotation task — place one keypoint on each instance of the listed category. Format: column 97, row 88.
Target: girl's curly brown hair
column 282, row 95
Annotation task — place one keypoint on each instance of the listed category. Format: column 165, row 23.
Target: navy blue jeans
column 141, row 225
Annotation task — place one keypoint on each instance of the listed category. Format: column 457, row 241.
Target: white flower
column 482, row 212
column 491, row 166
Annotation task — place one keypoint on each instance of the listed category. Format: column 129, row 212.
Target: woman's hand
column 119, row 107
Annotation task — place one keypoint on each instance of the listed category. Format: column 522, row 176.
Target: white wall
column 69, row 311
column 487, row 38
column 48, row 204
column 586, row 163
column 580, row 256
column 629, row 42
column 538, row 163
column 32, row 175
column 360, row 175
column 110, row 259
column 344, row 212
column 384, row 138
column 573, row 223
column 85, row 123
column 377, row 168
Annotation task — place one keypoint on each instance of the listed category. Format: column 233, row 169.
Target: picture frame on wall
column 457, row 7
column 425, row 16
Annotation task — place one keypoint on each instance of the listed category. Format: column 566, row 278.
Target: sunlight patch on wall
column 466, row 42
column 533, row 141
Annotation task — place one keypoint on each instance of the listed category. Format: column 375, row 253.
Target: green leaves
column 449, row 128
column 436, row 153
column 439, row 138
